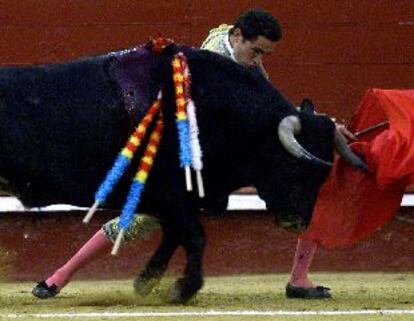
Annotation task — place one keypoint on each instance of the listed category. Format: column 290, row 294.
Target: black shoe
column 43, row 291
column 318, row 292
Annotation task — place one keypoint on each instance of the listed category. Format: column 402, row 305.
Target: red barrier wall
column 331, row 51
column 34, row 245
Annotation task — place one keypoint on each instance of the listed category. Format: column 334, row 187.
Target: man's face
column 250, row 52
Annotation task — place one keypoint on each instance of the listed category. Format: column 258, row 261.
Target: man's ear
column 237, row 35
column 307, row 106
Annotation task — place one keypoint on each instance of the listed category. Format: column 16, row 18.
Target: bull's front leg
column 154, row 270
column 192, row 238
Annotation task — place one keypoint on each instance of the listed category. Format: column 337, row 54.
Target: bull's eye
column 33, row 100
column 129, row 93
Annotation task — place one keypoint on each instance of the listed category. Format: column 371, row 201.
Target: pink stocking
column 305, row 250
column 92, row 249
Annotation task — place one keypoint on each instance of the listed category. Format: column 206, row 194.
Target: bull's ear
column 307, row 106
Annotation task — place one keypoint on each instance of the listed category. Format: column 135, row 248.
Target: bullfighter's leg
column 157, row 265
column 94, row 248
column 192, row 238
column 300, row 285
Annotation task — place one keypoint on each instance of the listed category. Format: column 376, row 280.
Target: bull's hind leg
column 192, row 238
column 155, row 268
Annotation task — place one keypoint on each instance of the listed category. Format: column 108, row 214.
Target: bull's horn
column 343, row 149
column 288, row 128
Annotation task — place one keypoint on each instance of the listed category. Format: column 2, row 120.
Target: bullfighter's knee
column 142, row 226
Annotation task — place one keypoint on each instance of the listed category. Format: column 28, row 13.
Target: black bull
column 62, row 126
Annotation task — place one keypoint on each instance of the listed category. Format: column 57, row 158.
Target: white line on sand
column 201, row 313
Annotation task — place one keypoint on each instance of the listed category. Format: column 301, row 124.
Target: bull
column 61, row 126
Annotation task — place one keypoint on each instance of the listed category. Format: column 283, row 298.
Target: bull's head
column 309, row 141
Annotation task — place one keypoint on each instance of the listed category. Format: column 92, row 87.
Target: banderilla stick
column 371, row 128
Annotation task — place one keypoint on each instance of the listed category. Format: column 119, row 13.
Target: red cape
column 351, row 205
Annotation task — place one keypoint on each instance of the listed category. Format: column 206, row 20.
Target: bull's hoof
column 144, row 286
column 182, row 291
column 43, row 291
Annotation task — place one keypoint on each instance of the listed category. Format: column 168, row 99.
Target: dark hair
column 258, row 22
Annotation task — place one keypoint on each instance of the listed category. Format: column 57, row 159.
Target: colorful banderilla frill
column 138, row 183
column 190, row 150
column 124, row 159
column 196, row 153
column 181, row 120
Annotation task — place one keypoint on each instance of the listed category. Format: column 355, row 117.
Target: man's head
column 253, row 35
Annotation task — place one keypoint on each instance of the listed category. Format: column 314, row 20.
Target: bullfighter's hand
column 344, row 131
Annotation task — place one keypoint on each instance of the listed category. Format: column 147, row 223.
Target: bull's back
column 59, row 125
